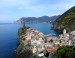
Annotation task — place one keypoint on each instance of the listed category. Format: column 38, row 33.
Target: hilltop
column 45, row 19
column 66, row 20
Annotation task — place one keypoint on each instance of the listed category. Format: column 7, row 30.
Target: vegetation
column 65, row 52
column 22, row 30
column 46, row 19
column 66, row 20
column 24, row 49
column 24, row 52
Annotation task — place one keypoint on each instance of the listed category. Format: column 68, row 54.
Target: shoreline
column 22, row 40
column 31, row 39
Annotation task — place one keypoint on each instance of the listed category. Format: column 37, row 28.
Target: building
column 28, row 38
column 72, row 38
column 64, row 38
column 64, row 31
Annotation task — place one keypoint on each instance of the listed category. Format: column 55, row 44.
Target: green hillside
column 66, row 20
column 41, row 19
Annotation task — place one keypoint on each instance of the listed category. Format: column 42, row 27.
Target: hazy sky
column 11, row 10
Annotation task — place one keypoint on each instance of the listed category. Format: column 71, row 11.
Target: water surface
column 8, row 36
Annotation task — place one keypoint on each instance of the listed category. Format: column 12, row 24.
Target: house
column 28, row 38
column 50, row 48
column 72, row 38
column 40, row 34
column 28, row 31
column 49, row 39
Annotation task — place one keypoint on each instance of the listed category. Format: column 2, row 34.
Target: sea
column 8, row 37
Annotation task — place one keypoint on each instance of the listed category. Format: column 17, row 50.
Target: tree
column 66, row 51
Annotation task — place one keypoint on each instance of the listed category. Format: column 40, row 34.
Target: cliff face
column 23, row 51
column 66, row 20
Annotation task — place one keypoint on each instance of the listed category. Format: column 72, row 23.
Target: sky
column 12, row 10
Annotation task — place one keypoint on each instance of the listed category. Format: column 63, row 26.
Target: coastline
column 23, row 43
column 38, row 44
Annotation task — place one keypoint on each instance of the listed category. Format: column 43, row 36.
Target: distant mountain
column 66, row 20
column 46, row 19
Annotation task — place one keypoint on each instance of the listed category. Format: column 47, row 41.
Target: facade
column 64, row 38
column 49, row 44
column 28, row 37
column 72, row 38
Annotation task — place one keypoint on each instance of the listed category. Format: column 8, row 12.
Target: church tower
column 64, row 31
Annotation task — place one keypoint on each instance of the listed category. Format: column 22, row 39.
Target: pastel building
column 49, row 47
column 28, row 38
column 49, row 39
column 40, row 34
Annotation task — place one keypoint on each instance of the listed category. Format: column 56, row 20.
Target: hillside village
column 45, row 46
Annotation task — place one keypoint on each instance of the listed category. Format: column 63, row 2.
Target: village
column 46, row 45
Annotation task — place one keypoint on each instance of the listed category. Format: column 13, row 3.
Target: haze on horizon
column 12, row 10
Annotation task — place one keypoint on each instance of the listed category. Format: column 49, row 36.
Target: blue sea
column 8, row 36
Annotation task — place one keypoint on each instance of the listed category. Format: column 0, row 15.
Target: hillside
column 46, row 19
column 66, row 20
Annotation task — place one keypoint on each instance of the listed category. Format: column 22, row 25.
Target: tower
column 64, row 31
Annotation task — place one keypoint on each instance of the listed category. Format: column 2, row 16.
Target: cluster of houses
column 67, row 38
column 44, row 46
